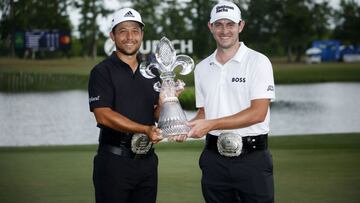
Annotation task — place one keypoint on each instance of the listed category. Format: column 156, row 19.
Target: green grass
column 311, row 73
column 283, row 72
column 76, row 66
column 17, row 75
column 20, row 75
column 318, row 168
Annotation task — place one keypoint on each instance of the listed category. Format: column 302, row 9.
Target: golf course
column 311, row 168
column 320, row 168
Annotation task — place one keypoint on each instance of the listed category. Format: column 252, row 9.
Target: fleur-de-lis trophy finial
column 172, row 119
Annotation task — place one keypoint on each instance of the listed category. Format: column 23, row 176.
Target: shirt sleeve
column 262, row 85
column 100, row 88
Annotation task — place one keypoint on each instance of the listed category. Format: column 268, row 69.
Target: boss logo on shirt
column 238, row 80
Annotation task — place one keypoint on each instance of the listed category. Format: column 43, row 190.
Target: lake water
column 63, row 118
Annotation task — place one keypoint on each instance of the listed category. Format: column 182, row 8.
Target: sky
column 117, row 4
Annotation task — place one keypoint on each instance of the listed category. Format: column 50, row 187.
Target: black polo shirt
column 113, row 84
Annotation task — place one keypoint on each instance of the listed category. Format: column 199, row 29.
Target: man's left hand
column 177, row 138
column 199, row 128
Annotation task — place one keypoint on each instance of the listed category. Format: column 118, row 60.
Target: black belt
column 118, row 143
column 114, row 138
column 124, row 151
column 250, row 143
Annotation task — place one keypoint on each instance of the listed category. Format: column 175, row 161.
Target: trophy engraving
column 172, row 119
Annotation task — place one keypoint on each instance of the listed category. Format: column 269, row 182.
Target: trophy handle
column 157, row 86
column 179, row 85
column 185, row 62
column 146, row 70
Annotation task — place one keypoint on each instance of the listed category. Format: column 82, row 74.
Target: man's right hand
column 154, row 134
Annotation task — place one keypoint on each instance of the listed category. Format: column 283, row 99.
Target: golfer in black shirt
column 126, row 108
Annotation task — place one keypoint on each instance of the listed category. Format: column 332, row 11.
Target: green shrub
column 187, row 98
column 26, row 81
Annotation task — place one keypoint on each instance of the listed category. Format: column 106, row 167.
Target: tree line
column 274, row 27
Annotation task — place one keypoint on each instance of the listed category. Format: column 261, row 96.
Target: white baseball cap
column 227, row 10
column 125, row 14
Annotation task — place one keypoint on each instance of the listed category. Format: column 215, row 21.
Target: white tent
column 313, row 51
column 313, row 55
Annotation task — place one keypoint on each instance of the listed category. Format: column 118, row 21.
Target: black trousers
column 244, row 179
column 120, row 179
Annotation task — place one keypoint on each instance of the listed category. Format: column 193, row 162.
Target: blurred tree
column 348, row 22
column 295, row 26
column 321, row 14
column 76, row 48
column 151, row 15
column 262, row 20
column 173, row 20
column 198, row 12
column 27, row 15
column 100, row 45
column 272, row 26
column 89, row 31
column 7, row 27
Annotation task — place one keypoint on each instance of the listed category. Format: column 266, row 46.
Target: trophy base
column 173, row 128
column 172, row 119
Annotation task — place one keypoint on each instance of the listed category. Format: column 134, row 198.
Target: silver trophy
column 172, row 119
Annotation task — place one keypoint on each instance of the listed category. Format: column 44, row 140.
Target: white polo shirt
column 224, row 90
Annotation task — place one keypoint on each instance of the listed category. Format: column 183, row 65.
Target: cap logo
column 223, row 8
column 129, row 14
